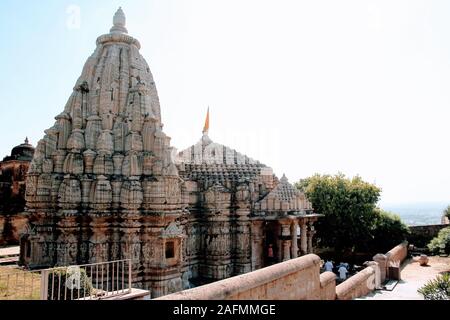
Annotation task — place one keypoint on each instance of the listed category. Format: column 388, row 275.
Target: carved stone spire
column 119, row 21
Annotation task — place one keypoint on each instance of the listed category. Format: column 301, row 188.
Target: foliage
column 65, row 283
column 387, row 232
column 441, row 241
column 447, row 212
column 349, row 209
column 437, row 289
column 351, row 221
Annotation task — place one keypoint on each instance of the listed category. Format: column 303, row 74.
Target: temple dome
column 22, row 152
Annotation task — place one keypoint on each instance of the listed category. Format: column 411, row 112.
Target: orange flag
column 206, row 127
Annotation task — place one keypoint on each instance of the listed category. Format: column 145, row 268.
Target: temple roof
column 207, row 151
column 284, row 190
column 214, row 162
column 285, row 197
column 22, row 152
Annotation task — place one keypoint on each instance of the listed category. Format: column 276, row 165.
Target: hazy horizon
column 352, row 86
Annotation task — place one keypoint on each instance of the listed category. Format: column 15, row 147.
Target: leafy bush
column 441, row 241
column 348, row 206
column 69, row 283
column 447, row 212
column 388, row 231
column 437, row 289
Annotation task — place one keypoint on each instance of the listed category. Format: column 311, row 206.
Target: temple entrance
column 271, row 243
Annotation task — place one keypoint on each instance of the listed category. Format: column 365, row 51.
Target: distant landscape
column 417, row 214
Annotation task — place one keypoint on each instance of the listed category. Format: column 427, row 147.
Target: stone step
column 390, row 285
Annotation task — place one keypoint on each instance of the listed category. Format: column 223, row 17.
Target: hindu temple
column 105, row 184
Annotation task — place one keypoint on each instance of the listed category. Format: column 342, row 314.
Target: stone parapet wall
column 420, row 236
column 394, row 256
column 358, row 285
column 373, row 276
column 328, row 286
column 296, row 279
column 397, row 254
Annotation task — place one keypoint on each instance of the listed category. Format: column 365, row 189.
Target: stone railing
column 398, row 253
column 373, row 276
column 360, row 284
column 296, row 279
column 328, row 286
column 393, row 257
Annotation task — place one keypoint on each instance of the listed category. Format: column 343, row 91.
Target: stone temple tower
column 102, row 185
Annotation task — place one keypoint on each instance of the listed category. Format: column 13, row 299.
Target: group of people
column 342, row 269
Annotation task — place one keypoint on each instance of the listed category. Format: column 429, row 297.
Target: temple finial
column 26, row 140
column 206, row 127
column 284, row 179
column 119, row 21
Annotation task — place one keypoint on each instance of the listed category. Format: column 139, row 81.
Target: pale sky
column 360, row 87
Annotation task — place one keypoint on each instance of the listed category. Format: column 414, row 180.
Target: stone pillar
column 286, row 250
column 311, row 233
column 257, row 244
column 310, row 237
column 294, row 245
column 303, row 238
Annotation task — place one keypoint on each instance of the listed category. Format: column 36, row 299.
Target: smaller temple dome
column 22, row 152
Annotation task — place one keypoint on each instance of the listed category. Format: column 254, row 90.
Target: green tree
column 441, row 242
column 437, row 289
column 447, row 212
column 349, row 209
column 387, row 232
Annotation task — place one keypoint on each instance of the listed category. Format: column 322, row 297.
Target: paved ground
column 413, row 277
column 9, row 251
